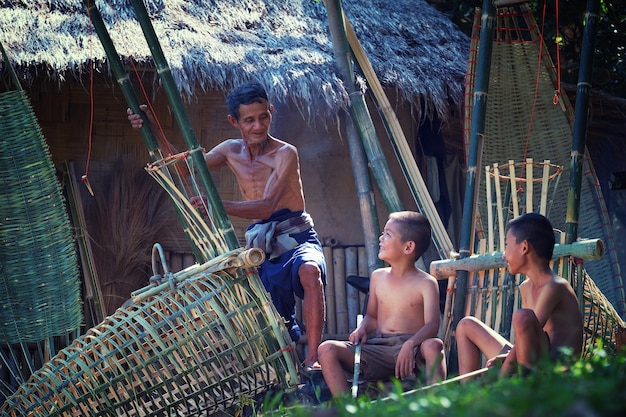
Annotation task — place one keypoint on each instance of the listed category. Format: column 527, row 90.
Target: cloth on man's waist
column 280, row 274
column 274, row 235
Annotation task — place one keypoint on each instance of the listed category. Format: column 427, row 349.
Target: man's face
column 254, row 121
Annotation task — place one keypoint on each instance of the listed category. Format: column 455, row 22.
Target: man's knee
column 310, row 275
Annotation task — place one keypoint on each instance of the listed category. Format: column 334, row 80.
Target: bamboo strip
column 341, row 308
column 543, row 205
column 331, row 320
column 496, row 175
column 514, row 193
column 490, row 229
column 530, row 175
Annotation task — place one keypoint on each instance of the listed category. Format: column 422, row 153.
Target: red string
column 91, row 101
column 557, row 93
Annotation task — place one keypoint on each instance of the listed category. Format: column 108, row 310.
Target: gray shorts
column 379, row 355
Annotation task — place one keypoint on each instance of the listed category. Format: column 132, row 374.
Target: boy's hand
column 496, row 360
column 358, row 336
column 405, row 365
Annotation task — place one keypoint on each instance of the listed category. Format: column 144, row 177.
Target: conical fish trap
column 199, row 342
column 40, row 296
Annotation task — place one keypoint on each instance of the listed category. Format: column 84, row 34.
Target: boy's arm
column 369, row 323
column 545, row 304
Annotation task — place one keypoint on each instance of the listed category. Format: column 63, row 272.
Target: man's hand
column 358, row 335
column 405, row 365
column 136, row 121
column 199, row 202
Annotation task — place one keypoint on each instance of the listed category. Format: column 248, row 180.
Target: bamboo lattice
column 195, row 343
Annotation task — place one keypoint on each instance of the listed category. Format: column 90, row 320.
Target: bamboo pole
column 197, row 154
column 341, row 308
column 476, row 137
column 401, row 147
column 363, row 272
column 369, row 143
column 352, row 294
column 130, row 96
column 589, row 249
column 331, row 319
column 580, row 119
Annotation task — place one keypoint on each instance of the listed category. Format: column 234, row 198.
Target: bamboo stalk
column 589, row 249
column 331, row 320
column 473, row 164
column 580, row 119
column 341, row 308
column 363, row 272
column 352, row 294
column 400, row 145
column 197, row 154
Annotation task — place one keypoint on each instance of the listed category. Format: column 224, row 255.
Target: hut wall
column 114, row 154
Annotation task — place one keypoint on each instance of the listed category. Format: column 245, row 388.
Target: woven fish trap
column 40, row 295
column 197, row 343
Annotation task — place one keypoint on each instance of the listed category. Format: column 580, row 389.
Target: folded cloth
column 274, row 237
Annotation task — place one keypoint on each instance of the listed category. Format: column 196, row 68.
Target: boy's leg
column 336, row 358
column 434, row 360
column 474, row 337
column 531, row 341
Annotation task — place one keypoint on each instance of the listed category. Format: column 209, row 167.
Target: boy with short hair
column 400, row 326
column 549, row 319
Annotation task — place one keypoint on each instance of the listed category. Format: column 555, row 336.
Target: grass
column 592, row 387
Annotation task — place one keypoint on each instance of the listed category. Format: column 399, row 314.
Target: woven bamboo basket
column 195, row 343
column 40, row 295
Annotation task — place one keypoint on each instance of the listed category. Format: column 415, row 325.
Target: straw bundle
column 193, row 350
column 40, row 294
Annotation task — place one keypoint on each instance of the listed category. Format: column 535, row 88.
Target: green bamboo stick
column 359, row 152
column 358, row 108
column 131, row 97
column 589, row 249
column 483, row 66
column 197, row 154
column 580, row 120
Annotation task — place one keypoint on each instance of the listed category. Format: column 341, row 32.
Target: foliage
column 590, row 387
column 609, row 71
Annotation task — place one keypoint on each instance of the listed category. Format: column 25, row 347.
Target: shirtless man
column 398, row 332
column 268, row 172
column 550, row 318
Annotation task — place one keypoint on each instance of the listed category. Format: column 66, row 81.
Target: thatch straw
column 212, row 44
column 131, row 213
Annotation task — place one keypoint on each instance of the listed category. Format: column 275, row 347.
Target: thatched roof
column 216, row 44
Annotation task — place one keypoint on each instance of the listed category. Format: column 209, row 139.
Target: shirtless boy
column 398, row 332
column 550, row 318
column 268, row 172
